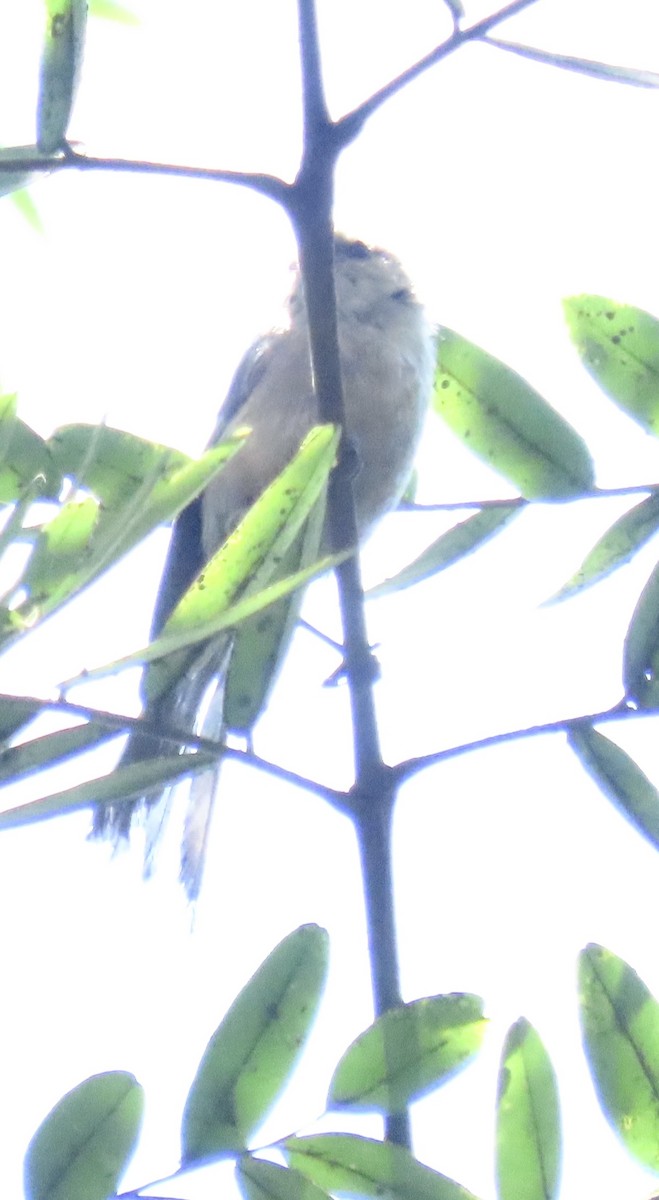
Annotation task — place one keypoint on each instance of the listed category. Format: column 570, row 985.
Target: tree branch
column 351, row 124
column 622, row 711
column 268, row 185
column 634, row 489
column 371, row 802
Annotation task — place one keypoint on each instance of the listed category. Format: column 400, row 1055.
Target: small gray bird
column 387, row 360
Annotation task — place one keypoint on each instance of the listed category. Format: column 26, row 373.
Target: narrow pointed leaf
column 15, row 711
column 528, row 1121
column 341, row 1162
column 261, row 644
column 109, row 10
column 82, row 1148
column 61, row 62
column 616, row 547
column 620, row 778
column 110, row 462
column 249, row 557
column 40, row 753
column 171, row 643
column 449, row 548
column 583, row 66
column 620, row 1029
column 13, row 531
column 86, row 537
column 24, row 202
column 15, row 180
column 123, row 784
column 619, row 346
column 261, row 1180
column 407, row 1052
column 252, row 1053
column 499, row 416
column 24, row 457
column 640, row 667
column 61, row 544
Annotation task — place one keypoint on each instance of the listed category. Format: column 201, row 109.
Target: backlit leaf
column 123, row 784
column 61, row 62
column 620, row 778
column 82, row 1148
column 616, row 547
column 341, row 1162
column 620, row 1029
column 15, row 180
column 619, row 346
column 641, row 651
column 528, row 1122
column 407, row 1052
column 24, row 457
column 261, row 1180
column 252, row 1053
column 499, row 416
column 450, row 547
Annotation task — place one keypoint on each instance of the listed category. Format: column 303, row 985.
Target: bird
column 387, row 357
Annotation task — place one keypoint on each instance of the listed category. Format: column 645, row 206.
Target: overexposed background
column 503, row 186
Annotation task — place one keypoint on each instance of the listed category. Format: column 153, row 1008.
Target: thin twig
column 71, row 159
column 118, row 723
column 634, row 489
column 619, row 712
column 351, row 124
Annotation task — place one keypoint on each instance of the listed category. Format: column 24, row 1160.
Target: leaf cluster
column 82, row 1149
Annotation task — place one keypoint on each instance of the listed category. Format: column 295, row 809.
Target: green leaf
column 250, row 556
column 15, row 711
column 582, row 66
column 109, row 10
column 231, row 617
column 123, row 784
column 61, row 61
column 640, row 666
column 620, row 1029
column 620, row 778
column 450, row 547
column 261, row 1180
column 24, row 457
column 24, row 202
column 528, row 1120
column 341, row 1162
column 112, row 463
column 407, row 1052
column 252, row 1053
column 260, row 644
column 60, row 546
column 499, row 416
column 616, row 547
column 138, row 486
column 81, row 1150
column 43, row 752
column 16, row 180
column 619, row 346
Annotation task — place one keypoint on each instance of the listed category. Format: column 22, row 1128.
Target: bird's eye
column 403, row 294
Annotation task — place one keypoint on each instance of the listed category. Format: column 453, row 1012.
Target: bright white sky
column 503, row 186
